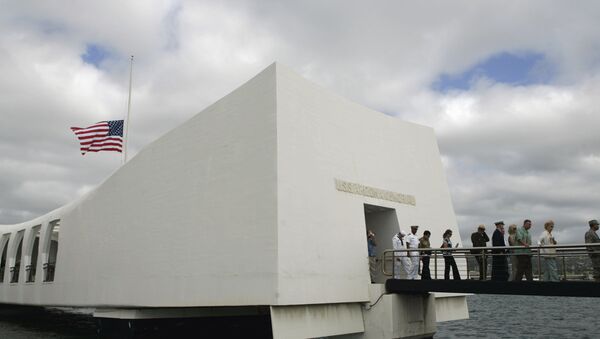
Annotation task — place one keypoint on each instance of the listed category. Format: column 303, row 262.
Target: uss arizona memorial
column 259, row 203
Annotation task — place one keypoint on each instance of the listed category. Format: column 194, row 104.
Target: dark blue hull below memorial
column 547, row 288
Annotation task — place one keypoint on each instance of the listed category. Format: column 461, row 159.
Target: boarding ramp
column 574, row 267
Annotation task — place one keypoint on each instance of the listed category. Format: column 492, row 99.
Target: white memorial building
column 262, row 200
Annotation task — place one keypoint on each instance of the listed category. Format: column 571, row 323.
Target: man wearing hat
column 412, row 241
column 499, row 262
column 480, row 239
column 401, row 262
column 591, row 237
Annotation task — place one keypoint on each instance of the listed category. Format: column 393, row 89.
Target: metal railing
column 576, row 257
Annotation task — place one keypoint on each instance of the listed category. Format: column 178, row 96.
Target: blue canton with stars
column 115, row 127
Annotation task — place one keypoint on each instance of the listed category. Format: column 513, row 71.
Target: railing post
column 394, row 265
column 468, row 270
column 435, row 263
column 539, row 264
column 564, row 267
column 484, row 265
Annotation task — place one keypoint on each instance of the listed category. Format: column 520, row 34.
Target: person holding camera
column 371, row 244
column 480, row 239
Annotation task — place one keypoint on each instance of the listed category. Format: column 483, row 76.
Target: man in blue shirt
column 371, row 244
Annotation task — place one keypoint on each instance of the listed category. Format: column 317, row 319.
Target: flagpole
column 126, row 135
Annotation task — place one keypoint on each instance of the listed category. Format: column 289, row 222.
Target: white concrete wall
column 191, row 220
column 322, row 137
column 315, row 321
column 37, row 292
column 451, row 306
column 238, row 206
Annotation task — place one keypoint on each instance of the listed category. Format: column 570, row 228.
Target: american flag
column 102, row 136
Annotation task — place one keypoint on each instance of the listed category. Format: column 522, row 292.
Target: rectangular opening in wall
column 383, row 223
column 4, row 251
column 51, row 250
column 32, row 256
column 16, row 267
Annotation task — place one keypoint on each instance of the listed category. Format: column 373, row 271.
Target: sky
column 512, row 89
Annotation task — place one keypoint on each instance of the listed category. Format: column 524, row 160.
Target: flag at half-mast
column 102, row 136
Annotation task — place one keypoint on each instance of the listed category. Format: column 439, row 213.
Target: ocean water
column 512, row 316
column 42, row 323
column 491, row 316
column 37, row 323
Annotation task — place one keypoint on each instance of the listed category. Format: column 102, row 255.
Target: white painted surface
column 451, row 307
column 238, row 206
column 397, row 316
column 321, row 138
column 190, row 221
column 311, row 321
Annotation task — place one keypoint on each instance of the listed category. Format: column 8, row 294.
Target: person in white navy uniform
column 412, row 241
column 401, row 262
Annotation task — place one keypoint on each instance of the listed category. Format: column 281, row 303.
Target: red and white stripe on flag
column 102, row 136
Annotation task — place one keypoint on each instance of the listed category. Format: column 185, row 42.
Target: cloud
column 512, row 149
column 523, row 152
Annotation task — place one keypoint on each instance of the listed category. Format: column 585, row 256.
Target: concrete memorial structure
column 259, row 202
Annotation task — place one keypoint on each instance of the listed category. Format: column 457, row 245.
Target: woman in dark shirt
column 448, row 258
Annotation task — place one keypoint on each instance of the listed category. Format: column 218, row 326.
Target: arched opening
column 4, row 249
column 32, row 257
column 383, row 222
column 51, row 250
column 16, row 268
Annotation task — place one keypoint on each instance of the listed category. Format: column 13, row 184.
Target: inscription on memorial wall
column 372, row 192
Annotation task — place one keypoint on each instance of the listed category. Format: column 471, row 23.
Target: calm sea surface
column 490, row 317
column 511, row 316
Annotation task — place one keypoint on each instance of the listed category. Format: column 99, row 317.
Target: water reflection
column 38, row 323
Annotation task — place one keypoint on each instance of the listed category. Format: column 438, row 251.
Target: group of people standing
column 408, row 261
column 521, row 257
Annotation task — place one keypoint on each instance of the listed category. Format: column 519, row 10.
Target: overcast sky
column 512, row 89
